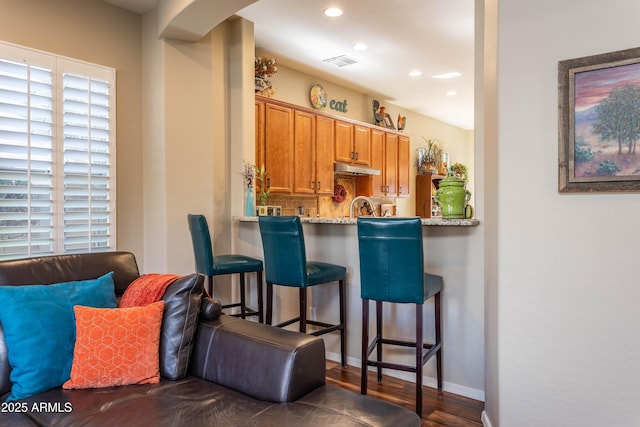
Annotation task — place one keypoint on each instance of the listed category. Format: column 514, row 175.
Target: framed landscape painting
column 599, row 122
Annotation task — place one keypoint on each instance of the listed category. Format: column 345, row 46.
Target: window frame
column 61, row 66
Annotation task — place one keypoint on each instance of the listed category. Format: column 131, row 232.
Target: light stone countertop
column 352, row 221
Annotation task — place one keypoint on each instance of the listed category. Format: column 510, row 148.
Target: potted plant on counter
column 261, row 176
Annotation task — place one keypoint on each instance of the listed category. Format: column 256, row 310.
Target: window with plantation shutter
column 57, row 154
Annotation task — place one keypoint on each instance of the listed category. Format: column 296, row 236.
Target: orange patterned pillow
column 116, row 346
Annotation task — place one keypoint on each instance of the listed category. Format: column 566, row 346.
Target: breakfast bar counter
column 353, row 221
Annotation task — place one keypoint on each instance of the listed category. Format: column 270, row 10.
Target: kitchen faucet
column 366, row 201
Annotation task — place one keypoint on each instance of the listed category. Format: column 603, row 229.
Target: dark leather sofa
column 237, row 372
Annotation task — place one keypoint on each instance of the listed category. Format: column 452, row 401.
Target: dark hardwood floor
column 438, row 409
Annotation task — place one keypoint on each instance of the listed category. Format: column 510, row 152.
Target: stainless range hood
column 347, row 169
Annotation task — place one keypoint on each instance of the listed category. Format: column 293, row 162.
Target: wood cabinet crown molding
column 268, row 100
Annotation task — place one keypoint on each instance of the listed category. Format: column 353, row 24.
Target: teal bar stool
column 286, row 265
column 210, row 265
column 392, row 270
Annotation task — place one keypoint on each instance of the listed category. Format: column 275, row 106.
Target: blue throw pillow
column 40, row 330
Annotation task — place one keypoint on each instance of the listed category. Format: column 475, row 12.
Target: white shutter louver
column 26, row 199
column 86, row 163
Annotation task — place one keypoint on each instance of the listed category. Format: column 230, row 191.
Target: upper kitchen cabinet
column 313, row 159
column 404, row 165
column 275, row 145
column 391, row 164
column 377, row 182
column 304, row 158
column 353, row 143
column 325, row 149
column 299, row 147
column 389, row 155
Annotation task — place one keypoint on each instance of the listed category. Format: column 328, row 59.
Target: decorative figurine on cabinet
column 382, row 117
column 402, row 122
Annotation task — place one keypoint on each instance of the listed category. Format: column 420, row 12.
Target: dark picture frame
column 599, row 122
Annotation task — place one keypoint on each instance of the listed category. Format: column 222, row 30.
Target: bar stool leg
column 269, row 316
column 365, row 346
column 243, row 301
column 303, row 310
column 438, row 341
column 379, row 337
column 419, row 340
column 260, row 301
column 343, row 324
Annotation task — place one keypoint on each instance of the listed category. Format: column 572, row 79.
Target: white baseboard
column 449, row 387
column 485, row 420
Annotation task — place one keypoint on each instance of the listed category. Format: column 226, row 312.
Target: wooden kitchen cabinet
column 385, row 157
column 353, row 143
column 426, row 186
column 259, row 133
column 362, row 145
column 325, row 147
column 391, row 164
column 378, row 182
column 275, row 147
column 343, row 141
column 313, row 159
column 404, row 165
column 299, row 146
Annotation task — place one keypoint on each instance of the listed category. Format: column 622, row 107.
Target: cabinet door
column 404, row 165
column 344, row 141
column 259, row 133
column 305, row 156
column 362, row 145
column 377, row 162
column 324, row 155
column 391, row 163
column 278, row 142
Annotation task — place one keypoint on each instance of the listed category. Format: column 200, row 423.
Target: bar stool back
column 210, row 265
column 392, row 270
column 286, row 264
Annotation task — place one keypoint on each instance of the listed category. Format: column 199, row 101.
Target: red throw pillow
column 116, row 346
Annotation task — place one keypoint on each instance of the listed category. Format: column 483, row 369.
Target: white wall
column 178, row 146
column 568, row 270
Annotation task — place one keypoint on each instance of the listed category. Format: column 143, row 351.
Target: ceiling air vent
column 340, row 61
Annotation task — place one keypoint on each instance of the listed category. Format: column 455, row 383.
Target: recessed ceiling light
column 452, row 93
column 450, row 75
column 415, row 73
column 333, row 12
column 360, row 46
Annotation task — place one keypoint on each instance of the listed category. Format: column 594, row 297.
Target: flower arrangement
column 264, row 69
column 248, row 171
column 261, row 175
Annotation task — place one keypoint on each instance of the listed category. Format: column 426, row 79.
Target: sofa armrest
column 261, row 361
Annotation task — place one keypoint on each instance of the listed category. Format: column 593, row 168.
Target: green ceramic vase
column 452, row 197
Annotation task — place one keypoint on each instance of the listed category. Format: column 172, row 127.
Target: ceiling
column 432, row 36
